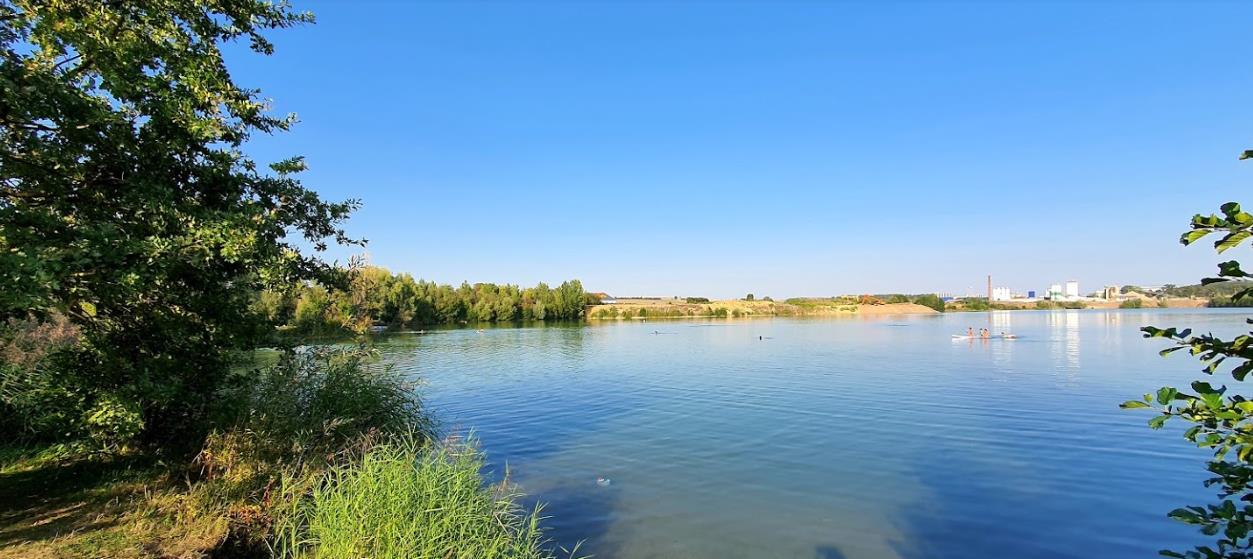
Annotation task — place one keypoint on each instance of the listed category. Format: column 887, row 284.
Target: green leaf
column 1166, row 394
column 1231, row 240
column 1133, row 404
column 1203, row 387
column 1183, row 515
column 1213, row 400
column 1241, row 371
column 1248, row 154
column 1192, row 236
column 1243, row 453
column 1158, row 421
column 1202, row 221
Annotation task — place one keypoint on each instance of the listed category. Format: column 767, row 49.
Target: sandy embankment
column 895, row 308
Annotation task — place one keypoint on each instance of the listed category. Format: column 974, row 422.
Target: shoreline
column 646, row 309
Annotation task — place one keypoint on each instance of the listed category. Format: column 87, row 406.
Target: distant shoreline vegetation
column 1128, row 297
column 750, row 306
column 379, row 298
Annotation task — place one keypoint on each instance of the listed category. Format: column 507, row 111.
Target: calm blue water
column 844, row 438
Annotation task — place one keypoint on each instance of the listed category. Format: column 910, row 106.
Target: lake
column 853, row 438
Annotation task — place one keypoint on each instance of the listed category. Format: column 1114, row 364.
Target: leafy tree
column 1220, row 418
column 930, row 300
column 311, row 309
column 377, row 296
column 748, row 297
column 570, row 299
column 126, row 202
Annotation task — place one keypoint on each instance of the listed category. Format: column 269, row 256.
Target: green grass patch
column 404, row 500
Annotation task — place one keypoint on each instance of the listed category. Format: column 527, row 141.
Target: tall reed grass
column 407, row 500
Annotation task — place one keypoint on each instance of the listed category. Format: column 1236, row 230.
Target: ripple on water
column 848, row 438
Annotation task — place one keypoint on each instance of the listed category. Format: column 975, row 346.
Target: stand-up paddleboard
column 997, row 337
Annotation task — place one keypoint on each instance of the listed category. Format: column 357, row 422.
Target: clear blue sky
column 810, row 149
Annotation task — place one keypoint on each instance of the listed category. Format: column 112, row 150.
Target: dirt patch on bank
column 895, row 308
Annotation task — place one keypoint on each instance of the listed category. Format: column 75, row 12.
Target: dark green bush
column 320, row 399
column 40, row 398
column 1230, row 302
column 930, row 300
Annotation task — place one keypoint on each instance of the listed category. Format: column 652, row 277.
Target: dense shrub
column 975, row 304
column 313, row 402
column 930, row 300
column 1230, row 302
column 39, row 400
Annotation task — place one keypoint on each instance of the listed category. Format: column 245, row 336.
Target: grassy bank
column 327, row 455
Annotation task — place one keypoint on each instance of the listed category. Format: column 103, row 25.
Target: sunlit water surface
column 853, row 438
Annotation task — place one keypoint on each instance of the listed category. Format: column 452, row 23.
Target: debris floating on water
column 603, row 481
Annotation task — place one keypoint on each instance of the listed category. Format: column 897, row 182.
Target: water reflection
column 1065, row 347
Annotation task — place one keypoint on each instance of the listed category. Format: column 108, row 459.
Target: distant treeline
column 925, row 299
column 1213, row 291
column 1229, row 302
column 378, row 297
